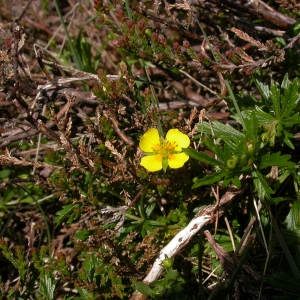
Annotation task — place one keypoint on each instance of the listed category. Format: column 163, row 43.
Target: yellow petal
column 149, row 140
column 180, row 139
column 152, row 163
column 177, row 160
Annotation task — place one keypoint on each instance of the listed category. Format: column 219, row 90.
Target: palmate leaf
column 262, row 117
column 276, row 159
column 284, row 100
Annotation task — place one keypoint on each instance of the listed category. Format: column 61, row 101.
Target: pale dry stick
column 247, row 232
column 14, row 202
column 211, row 274
column 77, row 75
column 39, row 142
column 230, row 233
column 217, row 196
column 217, row 286
column 261, row 227
column 293, row 265
column 197, row 82
column 175, row 245
column 265, row 244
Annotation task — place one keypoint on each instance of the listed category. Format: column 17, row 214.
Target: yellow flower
column 161, row 152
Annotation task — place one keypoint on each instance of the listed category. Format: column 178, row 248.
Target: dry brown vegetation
column 79, row 217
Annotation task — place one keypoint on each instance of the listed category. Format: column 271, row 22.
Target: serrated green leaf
column 235, row 180
column 251, row 126
column 275, row 98
column 276, row 159
column 290, row 96
column 262, row 87
column 201, row 156
column 286, row 139
column 210, row 179
column 221, row 131
column 292, row 120
column 47, row 287
column 263, row 117
column 65, row 213
column 150, row 208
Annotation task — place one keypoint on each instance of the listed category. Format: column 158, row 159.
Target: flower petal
column 180, row 139
column 152, row 163
column 177, row 160
column 149, row 140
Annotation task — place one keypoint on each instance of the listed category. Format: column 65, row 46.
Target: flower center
column 165, row 148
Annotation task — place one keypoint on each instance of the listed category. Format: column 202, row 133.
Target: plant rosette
column 163, row 152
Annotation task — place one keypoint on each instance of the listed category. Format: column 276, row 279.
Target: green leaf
column 263, row 117
column 221, row 153
column 261, row 186
column 83, row 234
column 262, row 87
column 251, row 126
column 293, row 218
column 144, row 289
column 290, row 121
column 275, row 98
column 287, row 140
column 276, row 159
column 83, row 293
column 290, row 96
column 280, row 199
column 201, row 156
column 172, row 275
column 235, row 180
column 210, row 179
column 5, row 173
column 67, row 212
column 47, row 287
column 226, row 132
